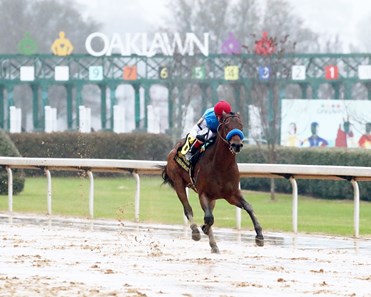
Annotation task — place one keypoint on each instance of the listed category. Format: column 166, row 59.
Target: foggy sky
column 326, row 17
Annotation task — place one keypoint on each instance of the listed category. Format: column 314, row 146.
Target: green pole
column 314, row 91
column 79, row 101
column 336, row 87
column 45, row 101
column 10, row 91
column 170, row 107
column 348, row 90
column 103, row 105
column 35, row 106
column 2, row 111
column 69, row 106
column 147, row 100
column 304, row 88
column 113, row 102
column 10, row 94
column 137, row 105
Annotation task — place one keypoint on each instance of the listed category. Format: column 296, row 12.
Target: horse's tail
column 165, row 177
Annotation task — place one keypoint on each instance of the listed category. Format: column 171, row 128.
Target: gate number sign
column 264, row 72
column 231, row 73
column 95, row 73
column 298, row 72
column 130, row 72
column 163, row 72
column 331, row 72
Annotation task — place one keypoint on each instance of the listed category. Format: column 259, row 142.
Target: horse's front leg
column 259, row 238
column 208, row 207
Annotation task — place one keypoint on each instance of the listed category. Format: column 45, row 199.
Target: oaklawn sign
column 144, row 44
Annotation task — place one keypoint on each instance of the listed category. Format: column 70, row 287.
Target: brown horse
column 216, row 176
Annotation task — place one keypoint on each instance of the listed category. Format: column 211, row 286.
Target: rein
column 225, row 140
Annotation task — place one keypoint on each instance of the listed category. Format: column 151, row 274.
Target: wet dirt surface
column 41, row 256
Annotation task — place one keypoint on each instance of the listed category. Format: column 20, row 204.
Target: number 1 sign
column 331, row 72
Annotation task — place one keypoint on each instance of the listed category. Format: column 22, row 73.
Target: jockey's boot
column 194, row 148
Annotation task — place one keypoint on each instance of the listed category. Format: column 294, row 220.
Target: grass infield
column 114, row 199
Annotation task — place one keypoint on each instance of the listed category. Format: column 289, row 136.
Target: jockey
column 206, row 126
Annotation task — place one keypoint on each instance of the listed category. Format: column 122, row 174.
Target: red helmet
column 222, row 106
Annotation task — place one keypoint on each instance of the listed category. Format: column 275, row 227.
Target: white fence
column 291, row 172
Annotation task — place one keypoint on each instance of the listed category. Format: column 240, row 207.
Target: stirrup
column 188, row 156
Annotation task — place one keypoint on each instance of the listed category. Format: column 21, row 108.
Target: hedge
column 8, row 149
column 144, row 146
column 326, row 189
column 96, row 145
column 102, row 145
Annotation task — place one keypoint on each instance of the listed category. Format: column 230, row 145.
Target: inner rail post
column 294, row 204
column 137, row 196
column 91, row 194
column 49, row 190
column 356, row 206
column 10, row 189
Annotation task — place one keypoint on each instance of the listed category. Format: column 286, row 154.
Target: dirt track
column 66, row 257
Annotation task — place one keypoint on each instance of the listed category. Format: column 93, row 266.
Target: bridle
column 223, row 123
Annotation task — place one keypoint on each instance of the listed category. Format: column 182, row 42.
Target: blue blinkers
column 233, row 133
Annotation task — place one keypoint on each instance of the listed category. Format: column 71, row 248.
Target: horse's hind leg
column 188, row 212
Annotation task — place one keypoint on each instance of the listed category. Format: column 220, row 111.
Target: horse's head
column 230, row 130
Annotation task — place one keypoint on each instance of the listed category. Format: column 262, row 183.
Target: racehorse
column 216, row 176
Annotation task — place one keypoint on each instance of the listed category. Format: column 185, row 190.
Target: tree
column 364, row 37
column 247, row 20
column 279, row 20
column 41, row 21
column 266, row 95
column 198, row 16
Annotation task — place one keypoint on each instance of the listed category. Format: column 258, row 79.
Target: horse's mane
column 233, row 114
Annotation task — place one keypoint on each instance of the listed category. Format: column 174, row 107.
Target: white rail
column 137, row 167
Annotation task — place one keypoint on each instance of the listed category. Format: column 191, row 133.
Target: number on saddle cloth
column 188, row 144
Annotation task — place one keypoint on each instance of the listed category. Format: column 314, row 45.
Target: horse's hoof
column 196, row 236
column 215, row 250
column 259, row 241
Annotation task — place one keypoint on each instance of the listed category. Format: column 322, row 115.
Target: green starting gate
column 343, row 72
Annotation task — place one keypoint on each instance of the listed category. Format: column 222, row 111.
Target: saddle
column 180, row 157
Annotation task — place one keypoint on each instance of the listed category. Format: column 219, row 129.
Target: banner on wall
column 326, row 123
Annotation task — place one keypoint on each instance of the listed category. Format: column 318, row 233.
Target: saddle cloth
column 188, row 164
